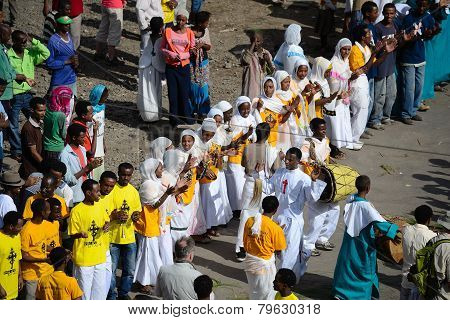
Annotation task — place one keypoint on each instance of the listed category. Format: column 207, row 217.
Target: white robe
column 151, row 70
column 260, row 276
column 293, row 188
column 148, row 260
column 216, row 211
column 321, row 220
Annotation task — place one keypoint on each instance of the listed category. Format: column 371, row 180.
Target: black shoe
column 125, row 297
column 416, row 118
column 236, row 215
column 240, row 256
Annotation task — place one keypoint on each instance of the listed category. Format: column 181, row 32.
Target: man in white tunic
column 293, row 188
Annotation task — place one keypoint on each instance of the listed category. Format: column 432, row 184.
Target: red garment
column 75, row 10
column 87, row 139
column 80, row 156
column 115, row 4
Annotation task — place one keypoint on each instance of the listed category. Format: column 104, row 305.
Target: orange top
column 175, row 45
column 148, row 223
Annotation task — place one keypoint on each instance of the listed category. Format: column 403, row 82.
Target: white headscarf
column 151, row 189
column 321, row 65
column 158, row 147
column 209, row 124
column 215, row 112
column 341, row 65
column 173, row 163
column 238, row 122
column 281, row 94
column 223, row 106
column 301, row 83
column 272, row 103
column 194, row 151
column 290, row 49
column 182, row 12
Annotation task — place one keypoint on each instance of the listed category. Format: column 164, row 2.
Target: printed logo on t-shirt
column 11, row 258
column 94, row 231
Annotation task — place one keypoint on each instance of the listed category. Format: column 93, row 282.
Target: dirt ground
column 409, row 166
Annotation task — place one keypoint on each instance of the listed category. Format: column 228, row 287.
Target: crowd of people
column 67, row 223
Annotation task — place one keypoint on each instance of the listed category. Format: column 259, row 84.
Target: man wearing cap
column 76, row 11
column 11, row 184
column 442, row 259
column 110, row 31
column 63, row 60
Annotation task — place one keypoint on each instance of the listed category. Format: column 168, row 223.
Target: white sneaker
column 358, row 145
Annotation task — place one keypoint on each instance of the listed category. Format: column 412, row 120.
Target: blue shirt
column 413, row 52
column 61, row 51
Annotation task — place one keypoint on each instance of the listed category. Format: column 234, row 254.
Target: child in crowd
column 284, row 283
column 98, row 96
column 257, row 63
column 64, row 8
column 58, row 285
column 203, row 286
column 168, row 8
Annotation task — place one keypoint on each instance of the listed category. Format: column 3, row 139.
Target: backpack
column 423, row 273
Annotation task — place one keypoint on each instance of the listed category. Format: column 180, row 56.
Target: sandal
column 340, row 156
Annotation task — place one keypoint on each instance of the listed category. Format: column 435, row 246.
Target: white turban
column 209, row 124
column 182, row 12
column 215, row 112
column 241, row 100
column 223, row 106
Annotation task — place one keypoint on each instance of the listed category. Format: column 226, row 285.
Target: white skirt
column 165, row 247
column 235, row 176
column 339, row 128
column 197, row 225
column 360, row 100
column 148, row 260
column 149, row 98
column 216, row 212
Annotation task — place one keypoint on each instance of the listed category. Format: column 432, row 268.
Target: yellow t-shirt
column 356, row 59
column 54, row 237
column 58, row 286
column 148, row 223
column 123, row 233
column 88, row 251
column 108, row 204
column 270, row 239
column 169, row 14
column 10, row 255
column 292, row 296
column 28, row 214
column 274, row 119
column 35, row 240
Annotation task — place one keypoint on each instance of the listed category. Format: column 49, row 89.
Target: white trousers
column 148, row 260
column 92, row 280
column 108, row 277
column 321, row 221
column 359, row 102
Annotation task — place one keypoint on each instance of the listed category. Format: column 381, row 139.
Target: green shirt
column 33, row 56
column 54, row 130
column 7, row 73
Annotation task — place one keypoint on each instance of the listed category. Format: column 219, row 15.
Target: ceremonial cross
column 12, row 257
column 284, row 183
column 93, row 229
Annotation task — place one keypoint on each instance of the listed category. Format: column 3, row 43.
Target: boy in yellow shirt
column 48, row 187
column 89, row 221
column 284, row 281
column 127, row 206
column 35, row 240
column 262, row 239
column 168, row 8
column 108, row 180
column 10, row 274
column 58, row 286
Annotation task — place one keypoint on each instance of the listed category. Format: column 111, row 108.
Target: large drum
column 388, row 250
column 340, row 181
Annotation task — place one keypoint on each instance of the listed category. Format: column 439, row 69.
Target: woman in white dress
column 151, row 73
column 151, row 227
column 242, row 125
column 217, row 212
column 339, row 129
column 290, row 49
